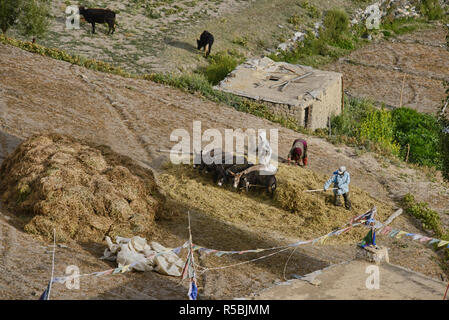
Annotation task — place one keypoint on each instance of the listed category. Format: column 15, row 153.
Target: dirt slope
column 135, row 117
column 414, row 63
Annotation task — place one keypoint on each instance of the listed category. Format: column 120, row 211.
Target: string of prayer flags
column 398, row 234
column 321, row 240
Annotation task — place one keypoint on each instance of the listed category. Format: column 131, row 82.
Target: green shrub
column 311, row 46
column 336, row 25
column 294, row 20
column 429, row 218
column 379, row 127
column 421, row 132
column 221, row 64
column 30, row 15
column 431, row 9
column 348, row 122
column 34, row 18
column 311, row 10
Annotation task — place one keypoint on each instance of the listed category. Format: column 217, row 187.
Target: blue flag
column 193, row 291
column 44, row 295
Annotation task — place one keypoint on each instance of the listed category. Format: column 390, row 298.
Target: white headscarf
column 264, row 149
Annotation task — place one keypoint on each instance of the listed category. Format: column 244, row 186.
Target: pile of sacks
column 143, row 255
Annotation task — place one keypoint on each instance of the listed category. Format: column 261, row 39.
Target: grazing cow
column 206, row 40
column 255, row 179
column 99, row 16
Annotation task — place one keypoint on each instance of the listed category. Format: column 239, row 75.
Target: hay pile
column 292, row 212
column 85, row 192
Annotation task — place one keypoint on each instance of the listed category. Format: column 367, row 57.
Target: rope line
column 52, row 264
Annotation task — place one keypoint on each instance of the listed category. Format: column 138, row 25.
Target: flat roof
column 278, row 82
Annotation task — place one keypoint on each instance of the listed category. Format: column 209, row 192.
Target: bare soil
column 135, row 118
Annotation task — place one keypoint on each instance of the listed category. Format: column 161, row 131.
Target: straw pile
column 292, row 212
column 83, row 191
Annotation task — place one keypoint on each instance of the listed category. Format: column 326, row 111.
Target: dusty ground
column 160, row 36
column 334, row 285
column 135, row 117
column 377, row 70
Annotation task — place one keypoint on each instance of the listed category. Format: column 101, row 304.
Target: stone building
column 307, row 95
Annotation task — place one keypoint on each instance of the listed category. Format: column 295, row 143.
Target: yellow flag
column 443, row 243
column 125, row 268
column 324, row 238
column 400, row 234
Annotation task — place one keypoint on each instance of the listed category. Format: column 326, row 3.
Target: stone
column 376, row 254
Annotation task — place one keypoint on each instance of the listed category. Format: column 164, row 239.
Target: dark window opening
column 307, row 116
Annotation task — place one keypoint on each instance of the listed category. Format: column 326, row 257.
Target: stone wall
column 329, row 103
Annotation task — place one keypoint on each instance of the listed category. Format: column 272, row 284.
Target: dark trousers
column 345, row 197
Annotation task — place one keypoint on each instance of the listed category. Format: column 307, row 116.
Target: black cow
column 217, row 166
column 222, row 171
column 255, row 179
column 99, row 16
column 206, row 40
column 208, row 166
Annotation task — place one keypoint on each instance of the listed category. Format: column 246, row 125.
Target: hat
column 341, row 169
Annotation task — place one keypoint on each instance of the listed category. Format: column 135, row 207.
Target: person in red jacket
column 298, row 152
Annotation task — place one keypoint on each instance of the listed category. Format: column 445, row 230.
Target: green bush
column 34, row 18
column 348, row 122
column 221, row 64
column 294, row 20
column 421, row 132
column 431, row 9
column 336, row 25
column 30, row 15
column 379, row 127
column 394, row 131
column 363, row 125
column 429, row 218
column 311, row 46
column 311, row 10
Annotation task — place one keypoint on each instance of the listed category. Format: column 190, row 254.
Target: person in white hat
column 341, row 180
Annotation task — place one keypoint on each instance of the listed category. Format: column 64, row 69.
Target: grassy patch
column 429, row 218
column 401, row 26
column 220, row 65
column 403, row 132
column 64, row 56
